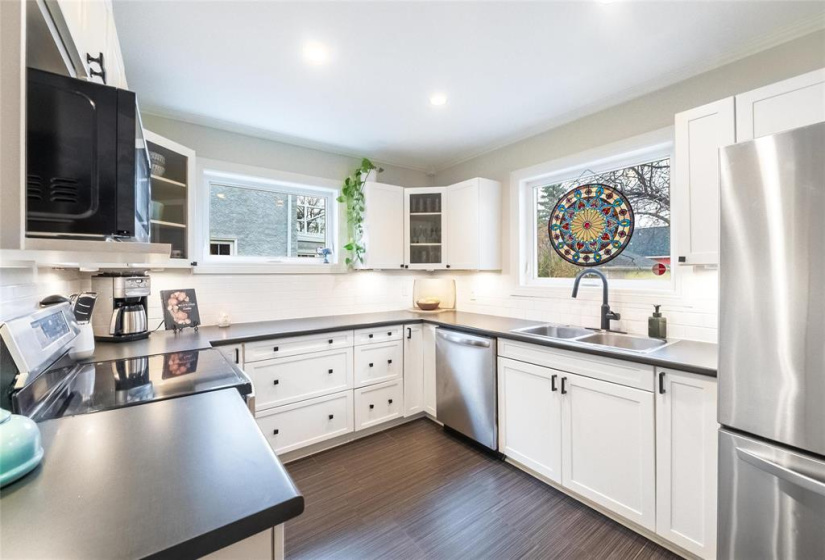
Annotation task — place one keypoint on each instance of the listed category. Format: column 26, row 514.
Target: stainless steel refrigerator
column 772, row 348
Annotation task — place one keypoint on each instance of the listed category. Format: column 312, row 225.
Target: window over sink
column 642, row 174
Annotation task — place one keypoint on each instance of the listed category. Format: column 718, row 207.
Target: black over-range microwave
column 87, row 163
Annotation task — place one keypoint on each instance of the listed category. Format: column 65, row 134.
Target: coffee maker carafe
column 122, row 299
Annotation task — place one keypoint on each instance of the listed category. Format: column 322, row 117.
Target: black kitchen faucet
column 606, row 314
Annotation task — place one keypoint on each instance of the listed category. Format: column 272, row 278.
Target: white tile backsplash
column 691, row 311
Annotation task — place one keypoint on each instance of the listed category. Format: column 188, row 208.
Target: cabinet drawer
column 376, row 363
column 286, row 380
column 630, row 374
column 297, row 425
column 378, row 403
column 379, row 334
column 291, row 346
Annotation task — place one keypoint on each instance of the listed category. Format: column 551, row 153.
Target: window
column 646, row 184
column 258, row 220
column 222, row 247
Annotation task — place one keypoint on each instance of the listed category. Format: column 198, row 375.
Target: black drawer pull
column 390, row 401
column 331, row 416
column 389, row 361
column 237, row 355
column 275, row 382
column 563, row 385
column 275, row 349
column 275, row 432
column 330, row 371
column 372, row 406
column 662, row 383
column 370, row 336
column 389, row 334
column 553, row 383
column 330, row 341
column 370, row 364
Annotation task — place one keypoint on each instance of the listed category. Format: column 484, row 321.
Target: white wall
column 692, row 309
column 248, row 150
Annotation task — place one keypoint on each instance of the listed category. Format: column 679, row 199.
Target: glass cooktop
column 85, row 388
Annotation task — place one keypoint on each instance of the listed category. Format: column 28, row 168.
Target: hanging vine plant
column 352, row 195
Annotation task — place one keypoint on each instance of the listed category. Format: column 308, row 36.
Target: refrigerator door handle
column 786, row 474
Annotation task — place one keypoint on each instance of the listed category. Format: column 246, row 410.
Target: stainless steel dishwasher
column 466, row 396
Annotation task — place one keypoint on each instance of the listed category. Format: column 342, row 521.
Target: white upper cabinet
column 383, row 226
column 424, row 228
column 473, row 225
column 788, row 104
column 686, row 458
column 87, row 31
column 699, row 134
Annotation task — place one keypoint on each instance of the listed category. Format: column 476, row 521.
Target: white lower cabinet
column 304, row 423
column 378, row 403
column 428, row 341
column 266, row 545
column 608, row 446
column 686, row 461
column 413, row 369
column 286, row 380
column 376, row 363
column 529, row 409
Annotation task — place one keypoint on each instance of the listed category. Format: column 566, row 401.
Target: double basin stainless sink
column 626, row 342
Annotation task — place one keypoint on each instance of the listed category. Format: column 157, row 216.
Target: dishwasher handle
column 465, row 341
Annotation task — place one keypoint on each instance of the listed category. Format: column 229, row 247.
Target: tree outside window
column 647, row 187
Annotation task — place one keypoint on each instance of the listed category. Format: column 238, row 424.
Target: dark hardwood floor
column 416, row 492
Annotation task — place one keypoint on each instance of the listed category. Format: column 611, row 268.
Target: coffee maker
column 122, row 304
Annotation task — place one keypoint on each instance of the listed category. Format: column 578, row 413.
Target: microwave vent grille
column 34, row 187
column 64, row 190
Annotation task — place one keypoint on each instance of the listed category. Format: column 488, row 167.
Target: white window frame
column 638, row 149
column 233, row 244
column 220, row 172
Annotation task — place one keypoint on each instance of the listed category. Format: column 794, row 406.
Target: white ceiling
column 509, row 70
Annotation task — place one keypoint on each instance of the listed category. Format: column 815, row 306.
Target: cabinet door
column 85, row 26
column 377, row 363
column 608, row 453
column 424, row 211
column 377, row 404
column 428, row 342
column 788, row 104
column 384, row 226
column 529, row 416
column 686, row 461
column 233, row 353
column 462, row 222
column 413, row 369
column 699, row 134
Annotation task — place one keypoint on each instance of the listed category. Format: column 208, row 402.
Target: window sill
column 247, row 268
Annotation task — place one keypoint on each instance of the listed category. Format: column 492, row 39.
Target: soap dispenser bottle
column 657, row 324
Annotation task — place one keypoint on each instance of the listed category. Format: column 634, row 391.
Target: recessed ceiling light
column 438, row 99
column 316, row 53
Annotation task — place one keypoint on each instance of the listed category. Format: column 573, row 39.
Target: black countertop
column 178, row 478
column 685, row 355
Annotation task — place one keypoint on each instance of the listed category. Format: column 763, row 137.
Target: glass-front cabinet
column 173, row 170
column 424, row 228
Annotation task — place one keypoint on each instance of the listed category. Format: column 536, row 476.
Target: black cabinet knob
column 390, row 401
column 372, row 406
column 330, row 341
column 682, row 259
column 402, row 266
column 448, row 266
column 370, row 365
column 331, row 416
column 330, row 371
column 275, row 349
column 275, row 432
column 275, row 382
column 389, row 333
column 389, row 361
column 370, row 336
